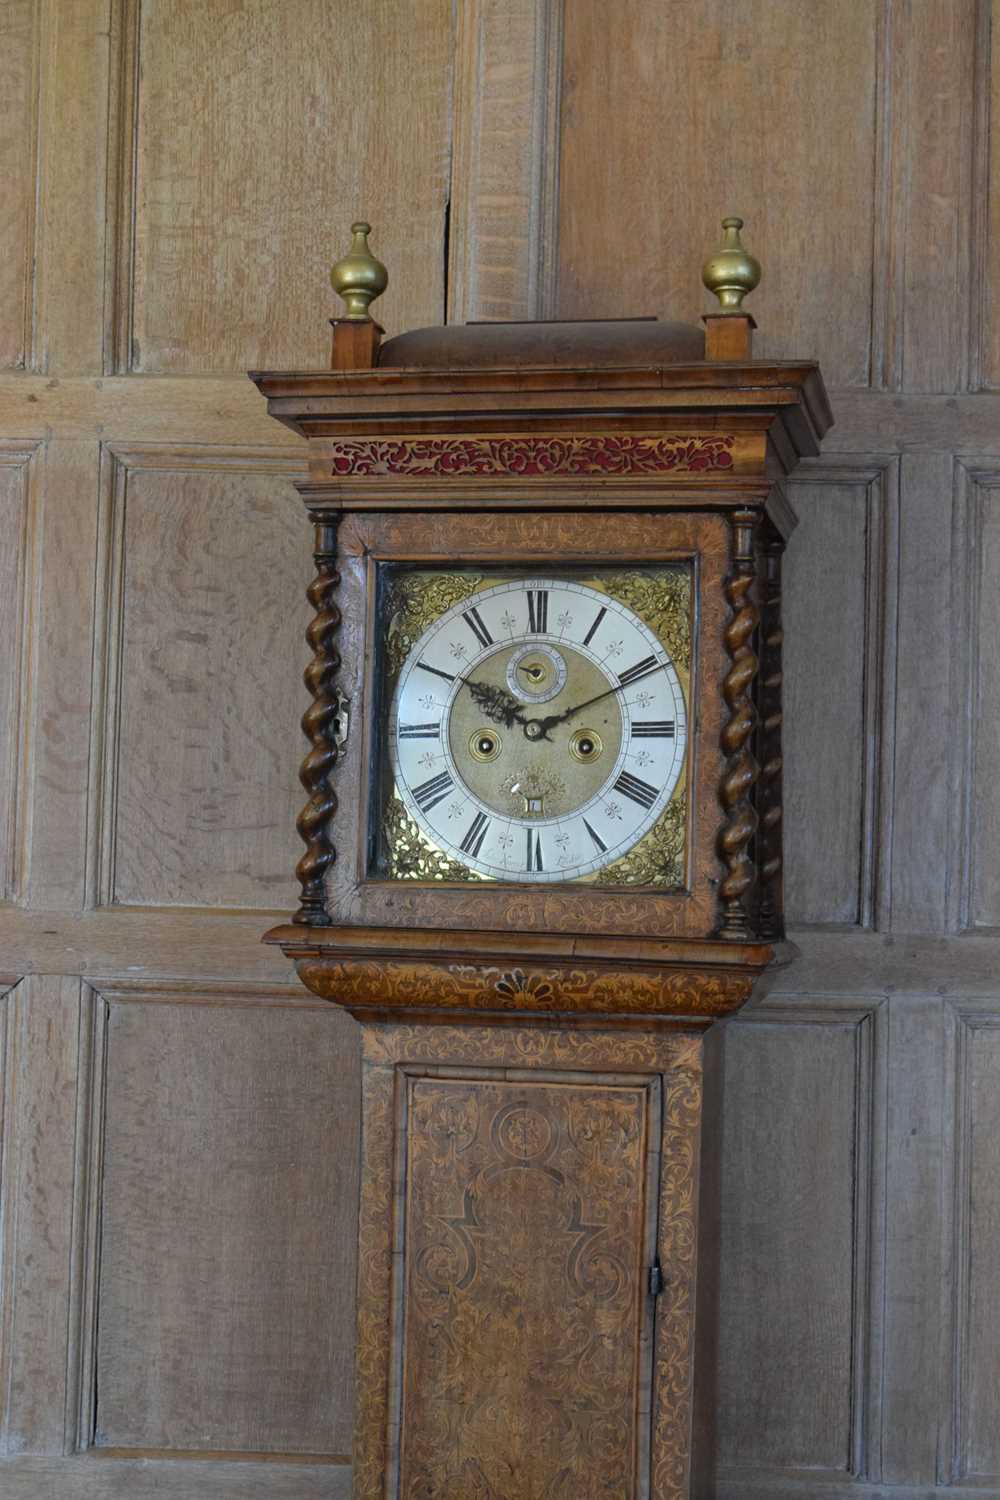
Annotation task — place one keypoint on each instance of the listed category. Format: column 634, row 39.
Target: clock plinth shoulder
column 728, row 336
column 355, row 344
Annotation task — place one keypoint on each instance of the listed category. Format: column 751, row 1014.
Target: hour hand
column 496, row 704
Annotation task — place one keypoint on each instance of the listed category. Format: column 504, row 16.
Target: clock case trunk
column 542, row 1039
column 537, row 468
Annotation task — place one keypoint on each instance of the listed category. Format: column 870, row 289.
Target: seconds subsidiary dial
column 538, row 731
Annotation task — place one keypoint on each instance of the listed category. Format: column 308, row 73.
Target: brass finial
column 732, row 271
column 358, row 277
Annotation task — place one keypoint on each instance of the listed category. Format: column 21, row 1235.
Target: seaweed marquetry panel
column 470, row 1138
column 524, row 1236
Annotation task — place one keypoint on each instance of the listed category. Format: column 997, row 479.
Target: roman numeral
column 474, row 621
column 448, row 676
column 429, row 793
column 639, row 670
column 596, row 837
column 638, row 791
column 538, row 611
column 653, row 729
column 595, row 627
column 473, row 841
column 534, row 849
column 419, row 731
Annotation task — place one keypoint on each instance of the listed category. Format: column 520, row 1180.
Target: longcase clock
column 543, row 857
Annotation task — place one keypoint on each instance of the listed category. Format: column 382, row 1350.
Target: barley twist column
column 318, row 727
column 736, row 790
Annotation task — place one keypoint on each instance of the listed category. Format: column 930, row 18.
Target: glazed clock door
column 528, row 1230
column 535, row 727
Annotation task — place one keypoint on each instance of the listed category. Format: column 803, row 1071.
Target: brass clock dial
column 538, row 730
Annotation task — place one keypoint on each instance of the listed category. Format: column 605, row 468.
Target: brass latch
column 341, row 721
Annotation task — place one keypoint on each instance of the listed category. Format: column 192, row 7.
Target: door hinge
column 655, row 1278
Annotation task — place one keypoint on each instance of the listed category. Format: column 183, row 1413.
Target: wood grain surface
column 17, row 166
column 857, row 142
column 664, row 123
column 235, row 220
column 976, row 1454
column 793, row 1246
column 983, row 556
column 516, row 1064
column 227, row 1222
column 211, row 574
column 825, row 707
column 15, row 497
column 527, row 1235
column 41, row 1026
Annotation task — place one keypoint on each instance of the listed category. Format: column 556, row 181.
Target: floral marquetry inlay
column 623, row 453
column 388, row 984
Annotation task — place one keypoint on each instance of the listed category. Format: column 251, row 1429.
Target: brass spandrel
column 658, row 857
column 410, row 855
column 415, row 600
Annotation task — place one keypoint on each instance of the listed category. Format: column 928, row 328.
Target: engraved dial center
column 540, row 771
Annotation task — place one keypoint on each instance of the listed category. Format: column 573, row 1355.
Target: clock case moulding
column 530, row 446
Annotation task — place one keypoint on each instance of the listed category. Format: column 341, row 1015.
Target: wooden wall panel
column 15, row 462
column 982, row 560
column 206, row 551
column 504, row 208
column 17, row 172
column 838, row 588
column 987, row 242
column 227, row 1230
column 794, row 1241
column 249, row 175
column 75, row 187
column 38, row 1179
column 118, row 1478
column 675, row 115
column 240, row 140
column 977, row 1252
column 937, row 59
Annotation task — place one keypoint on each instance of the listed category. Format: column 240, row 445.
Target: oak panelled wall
column 235, row 1174
column 178, row 1120
column 720, row 103
column 190, row 538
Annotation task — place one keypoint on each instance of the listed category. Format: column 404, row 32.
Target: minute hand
column 542, row 726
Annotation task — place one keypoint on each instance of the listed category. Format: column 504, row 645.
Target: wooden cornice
column 326, row 403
